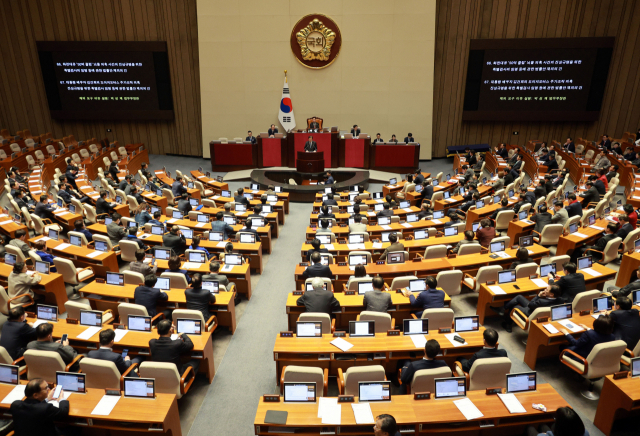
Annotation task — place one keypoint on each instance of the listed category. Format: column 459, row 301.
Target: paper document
column 407, row 225
column 221, row 244
column 63, row 246
column 362, row 413
column 408, row 209
column 579, row 235
column 503, row 254
column 120, row 334
column 201, row 224
column 379, row 201
column 174, row 336
column 94, row 254
column 329, row 246
column 356, row 246
column 371, row 213
column 332, row 414
column 36, row 323
column 419, row 340
column 596, row 227
column 191, row 265
column 454, row 342
column 386, row 227
column 377, row 245
column 106, row 405
column 512, row 403
column 325, row 403
column 527, row 221
column 89, row 333
column 497, row 290
column 468, row 409
column 342, row 344
column 227, row 268
column 539, row 282
column 591, row 271
column 567, row 323
column 172, row 220
column 436, row 221
column 16, row 393
column 5, row 222
column 551, row 328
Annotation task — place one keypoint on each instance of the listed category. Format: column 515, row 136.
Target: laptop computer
column 247, row 238
column 450, row 231
column 9, row 374
column 91, row 318
column 216, row 236
column 162, row 253
column 115, row 279
column 356, row 239
column 602, row 304
column 635, row 367
column 420, row 234
column 157, row 230
column 203, row 218
column 233, row 259
column 585, row 262
column 163, row 283
column 525, row 241
column 213, row 286
column 384, row 220
column 364, row 287
column 196, row 257
column 546, row 269
column 496, row 246
column 507, row 276
column 42, row 267
column 418, row 285
column 395, row 257
column 47, row 313
column 139, row 323
column 9, row 259
column 357, row 259
column 561, row 311
column 437, row 214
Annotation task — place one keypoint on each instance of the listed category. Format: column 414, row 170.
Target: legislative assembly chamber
column 431, row 228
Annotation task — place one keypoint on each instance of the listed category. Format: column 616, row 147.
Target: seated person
column 600, row 245
column 522, row 257
column 542, row 218
column 591, row 195
column 164, row 349
column 324, row 212
column 174, row 267
column 227, row 209
column 360, row 272
column 356, row 211
column 256, row 211
column 625, row 227
column 571, row 283
column 376, row 300
column 149, row 297
column 20, row 241
column 319, row 300
column 195, row 245
column 566, row 422
column 317, row 269
column 44, row 342
column 184, row 205
column 219, row 225
column 142, row 215
column 545, row 298
column 240, row 198
column 214, row 268
column 21, row 283
column 631, row 213
column 40, row 247
column 489, row 350
column 330, row 201
column 431, row 298
column 132, row 236
column 429, row 361
column 198, row 298
column 504, row 205
column 37, row 414
column 105, row 352
column 626, row 322
column 574, row 208
column 485, row 232
column 386, row 211
column 156, row 219
column 247, row 229
column 357, row 226
column 17, row 333
column 324, row 227
column 115, row 231
column 468, row 239
column 602, row 332
column 80, row 228
column 315, row 248
column 176, row 240
column 633, row 285
column 140, row 266
column 44, row 209
column 395, row 246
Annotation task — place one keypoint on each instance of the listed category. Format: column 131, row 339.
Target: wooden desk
column 618, row 399
column 129, row 414
column 487, row 297
column 37, row 188
column 104, row 296
column 375, row 231
column 101, row 264
column 475, row 215
column 628, row 268
column 457, row 200
column 384, row 350
column 422, row 416
column 11, row 228
column 53, row 285
column 193, row 192
column 352, row 305
column 86, row 188
column 567, row 244
column 272, row 218
column 394, row 189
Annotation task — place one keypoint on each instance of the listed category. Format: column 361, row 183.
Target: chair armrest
column 333, row 325
column 413, row 316
column 466, row 375
column 282, row 380
column 627, row 352
column 17, row 362
column 393, row 323
column 184, row 386
column 325, row 381
column 472, row 278
column 83, row 269
column 210, row 322
column 158, row 316
column 419, row 256
column 577, row 356
column 591, row 249
column 533, row 231
column 126, row 373
column 593, row 202
column 113, row 317
column 47, row 221
column 358, row 317
column 78, row 358
column 340, row 382
column 22, row 304
column 518, row 319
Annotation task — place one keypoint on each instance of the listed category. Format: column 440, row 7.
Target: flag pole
column 285, row 76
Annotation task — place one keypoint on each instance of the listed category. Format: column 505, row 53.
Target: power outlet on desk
column 286, row 334
column 339, row 334
column 349, row 292
column 393, row 332
column 298, row 292
column 346, row 399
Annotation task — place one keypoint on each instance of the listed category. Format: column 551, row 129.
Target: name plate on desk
column 542, row 319
column 422, row 395
column 533, row 276
column 286, row 334
column 100, row 281
column 493, row 391
column 380, row 262
column 271, row 398
column 339, row 334
column 585, row 312
column 342, row 263
column 620, row 374
column 491, row 282
column 298, row 292
column 393, row 332
column 114, row 392
column 441, row 330
column 346, row 399
column 349, row 292
column 304, row 264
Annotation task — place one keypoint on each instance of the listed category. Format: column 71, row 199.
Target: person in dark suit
column 602, row 332
column 175, row 240
column 431, row 351
column 164, row 349
column 571, row 284
column 43, row 209
column 609, row 234
column 310, row 146
column 314, row 125
column 625, row 228
column 470, row 157
column 317, row 269
column 113, row 171
column 634, row 285
column 613, row 170
column 489, row 350
column 219, row 225
column 626, row 322
column 540, row 190
column 427, row 191
column 272, row 130
column 330, row 201
column 103, row 206
column 418, row 178
column 247, row 229
column 378, row 140
column 605, row 143
column 18, row 198
column 386, row 210
column 214, row 268
column 395, row 246
column 17, row 333
column 522, row 258
column 408, row 138
column 184, row 205
column 330, row 180
column 105, row 352
column 545, row 298
column 591, row 195
column 432, row 298
column 71, row 178
column 542, row 218
column 198, row 298
column 174, row 267
column 504, row 205
column 552, row 165
column 315, row 248
column 319, row 300
column 355, row 131
column 250, row 138
column 574, row 207
column 132, row 236
column 630, row 153
column 135, row 193
column 324, row 213
column 569, row 145
column 36, row 415
column 149, row 297
column 240, row 198
column 177, row 188
column 125, row 184
column 502, row 151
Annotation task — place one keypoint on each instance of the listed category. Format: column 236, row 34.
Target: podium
column 310, row 162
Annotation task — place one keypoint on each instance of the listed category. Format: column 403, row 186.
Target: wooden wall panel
column 459, row 21
column 22, row 95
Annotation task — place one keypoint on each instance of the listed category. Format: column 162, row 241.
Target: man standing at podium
column 314, row 125
column 250, row 137
column 272, row 130
column 311, row 145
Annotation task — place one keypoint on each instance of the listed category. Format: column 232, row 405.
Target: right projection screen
column 538, row 79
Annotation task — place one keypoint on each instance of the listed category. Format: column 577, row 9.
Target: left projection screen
column 107, row 80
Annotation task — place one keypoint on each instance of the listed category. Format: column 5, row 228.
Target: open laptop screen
column 374, row 391
column 562, row 311
column 139, row 387
column 522, row 382
column 584, row 262
column 163, row 283
column 466, row 323
column 364, row 287
column 298, row 392
column 450, row 387
column 189, row 326
column 91, row 318
column 362, row 328
column 9, row 374
column 115, row 279
column 139, row 323
column 507, row 276
column 308, row 329
column 71, row 381
column 49, row 313
column 416, row 326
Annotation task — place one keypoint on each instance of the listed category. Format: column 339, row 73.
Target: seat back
column 5, row 357
column 126, row 309
column 503, row 219
column 353, row 284
column 526, row 270
column 487, row 373
column 401, row 282
column 559, row 261
column 187, row 314
column 101, row 374
column 424, row 379
column 550, row 234
column 176, row 280
column 604, row 359
column 90, row 213
column 16, row 252
column 67, row 269
column 4, row 301
column 169, row 195
column 570, row 221
column 324, row 318
column 584, row 300
column 435, row 252
column 128, row 250
column 382, row 320
column 439, row 318
column 586, row 213
column 357, row 374
column 629, row 241
column 166, row 376
column 485, row 274
column 133, row 203
column 306, row 374
column 324, row 280
column 43, row 364
column 465, row 249
column 133, row 278
column 611, row 251
column 74, row 307
column 82, row 237
column 449, row 281
column 504, row 239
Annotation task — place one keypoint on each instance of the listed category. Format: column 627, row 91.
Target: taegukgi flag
column 285, row 116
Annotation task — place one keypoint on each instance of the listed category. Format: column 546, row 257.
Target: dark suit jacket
column 508, row 179
column 601, row 244
column 251, row 138
column 590, row 196
column 409, row 371
column 176, row 242
column 184, row 206
column 109, row 355
column 587, row 341
column 626, row 326
column 599, row 185
column 319, row 301
column 429, row 299
column 241, row 199
column 314, row 125
column 571, row 147
column 540, row 191
column 164, row 349
column 199, row 299
column 136, row 240
column 177, row 189
column 571, row 285
column 310, row 146
column 43, row 211
column 485, row 353
column 548, row 186
column 541, row 302
column 317, row 270
column 407, row 139
column 634, row 285
column 36, row 418
column 574, row 209
column 541, row 219
column 427, row 192
column 313, row 250
column 503, row 153
column 624, row 231
column 330, row 202
column 103, row 206
column 149, row 298
column 517, row 165
column 516, row 263
column 606, row 144
column 355, row 132
column 15, row 337
column 418, row 179
column 272, row 132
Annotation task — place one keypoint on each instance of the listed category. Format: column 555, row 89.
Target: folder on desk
column 276, row 417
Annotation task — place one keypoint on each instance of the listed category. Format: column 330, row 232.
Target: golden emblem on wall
column 316, row 41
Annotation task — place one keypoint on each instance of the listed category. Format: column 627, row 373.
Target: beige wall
column 382, row 80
